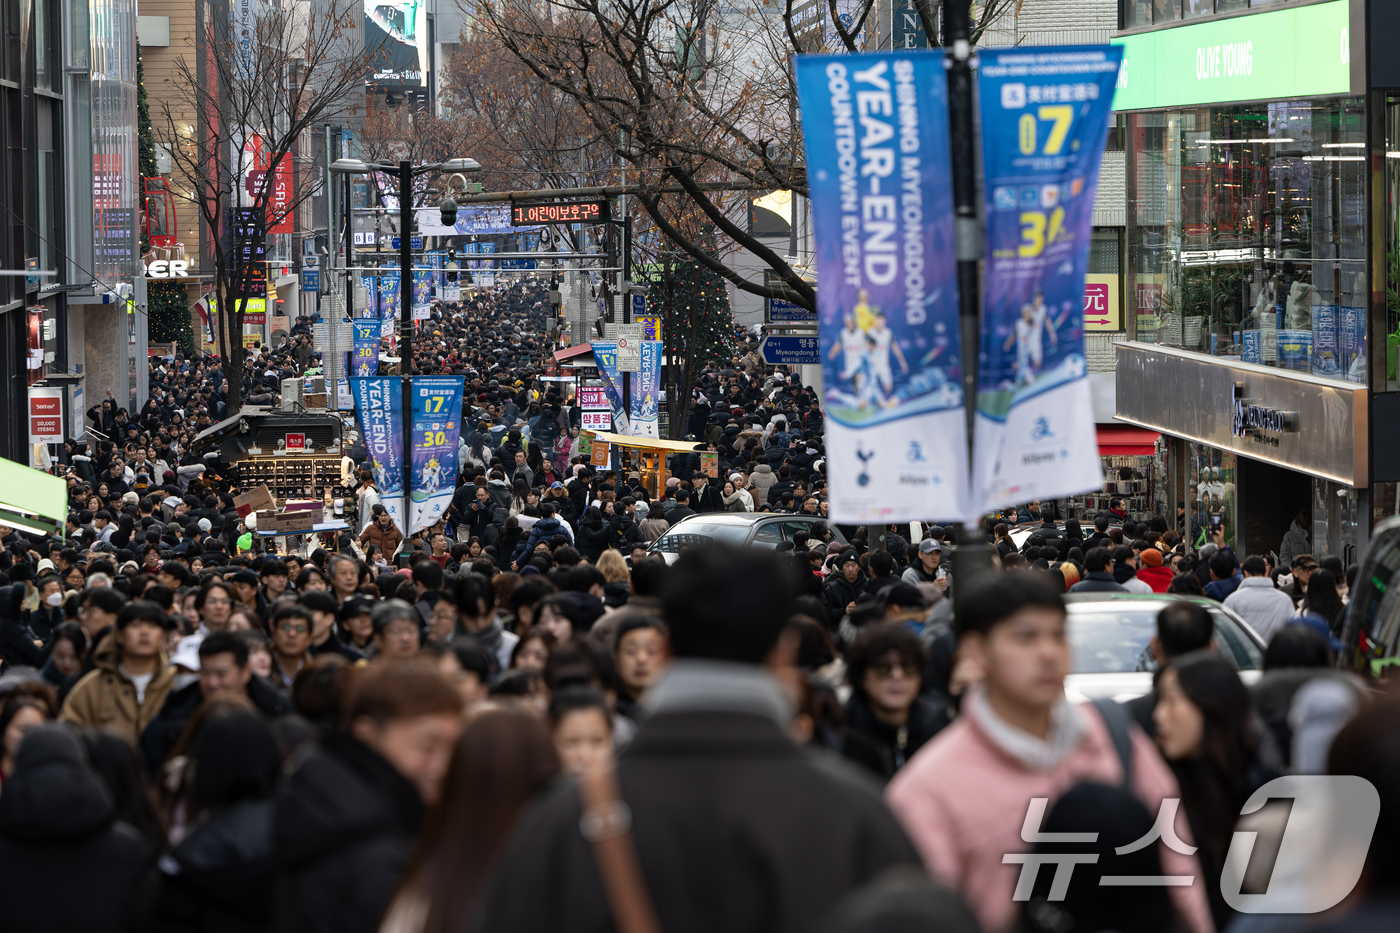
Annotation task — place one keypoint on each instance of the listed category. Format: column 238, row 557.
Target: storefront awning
column 32, row 500
column 571, row 352
column 1124, row 441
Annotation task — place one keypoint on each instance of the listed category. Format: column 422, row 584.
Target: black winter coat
column 16, row 636
column 877, row 746
column 221, row 877
column 736, row 829
column 343, row 828
column 592, row 539
column 66, row 864
column 837, row 593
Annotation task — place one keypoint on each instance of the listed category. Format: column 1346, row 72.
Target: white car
column 1110, row 633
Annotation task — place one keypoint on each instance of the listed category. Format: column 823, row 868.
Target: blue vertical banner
column 437, row 423
column 878, row 170
column 379, row 405
column 388, row 295
column 437, row 260
column 422, row 291
column 365, row 355
column 605, row 356
column 646, row 392
column 1045, row 115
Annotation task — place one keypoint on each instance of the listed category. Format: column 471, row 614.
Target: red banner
column 278, row 208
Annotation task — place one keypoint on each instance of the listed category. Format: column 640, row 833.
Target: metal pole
column 972, row 558
column 406, row 329
column 349, row 254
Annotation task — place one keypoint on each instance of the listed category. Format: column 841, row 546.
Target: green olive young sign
column 1292, row 52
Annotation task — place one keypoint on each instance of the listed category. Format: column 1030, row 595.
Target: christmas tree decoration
column 697, row 325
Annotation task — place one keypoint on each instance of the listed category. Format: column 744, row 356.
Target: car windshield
column 698, row 532
column 1107, row 639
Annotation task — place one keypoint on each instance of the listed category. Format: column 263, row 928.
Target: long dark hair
column 1322, row 598
column 502, row 759
column 1215, row 783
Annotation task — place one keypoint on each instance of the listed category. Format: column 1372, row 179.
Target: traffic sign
column 629, row 348
column 310, row 274
column 791, row 350
column 785, row 312
column 415, row 242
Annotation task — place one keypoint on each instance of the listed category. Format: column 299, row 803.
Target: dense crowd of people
column 526, row 718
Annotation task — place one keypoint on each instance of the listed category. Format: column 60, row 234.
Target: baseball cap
column 928, row 546
column 204, row 525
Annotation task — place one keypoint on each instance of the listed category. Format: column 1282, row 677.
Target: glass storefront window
column 1392, row 243
column 1212, row 487
column 1148, row 12
column 1246, row 233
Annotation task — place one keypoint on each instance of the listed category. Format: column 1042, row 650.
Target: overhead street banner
column 876, row 129
column 1045, row 116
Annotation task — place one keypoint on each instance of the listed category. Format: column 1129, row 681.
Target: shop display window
column 1246, row 234
column 1211, row 481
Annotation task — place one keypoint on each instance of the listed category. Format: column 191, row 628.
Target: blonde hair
column 613, row 567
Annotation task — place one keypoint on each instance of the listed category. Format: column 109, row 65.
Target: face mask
column 54, row 599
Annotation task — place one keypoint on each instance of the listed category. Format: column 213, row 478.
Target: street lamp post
column 405, row 172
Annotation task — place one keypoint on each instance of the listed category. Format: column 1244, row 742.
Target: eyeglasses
column 885, row 670
column 290, row 629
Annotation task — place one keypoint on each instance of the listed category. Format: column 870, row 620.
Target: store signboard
column 1101, row 308
column 596, row 420
column 1294, row 51
column 45, row 416
column 592, row 398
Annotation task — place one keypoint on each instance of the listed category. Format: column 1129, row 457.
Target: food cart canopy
column 647, row 443
column 32, row 500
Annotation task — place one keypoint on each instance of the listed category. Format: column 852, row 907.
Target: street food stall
column 643, row 455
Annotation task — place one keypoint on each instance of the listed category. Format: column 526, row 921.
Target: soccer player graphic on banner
column 865, row 347
column 1035, row 318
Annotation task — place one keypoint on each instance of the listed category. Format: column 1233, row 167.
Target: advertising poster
column 379, row 407
column 365, row 358
column 422, row 293
column 1295, row 349
column 605, row 354
column 1351, row 342
column 876, row 128
column 437, row 422
column 1326, row 352
column 646, row 390
column 1045, row 115
column 389, row 294
column 396, row 40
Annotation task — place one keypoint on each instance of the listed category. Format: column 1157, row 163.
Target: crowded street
column 667, row 468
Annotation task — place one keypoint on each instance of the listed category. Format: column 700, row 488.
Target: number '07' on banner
column 1045, row 115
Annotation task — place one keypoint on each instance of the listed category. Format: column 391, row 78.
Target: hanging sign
column 1045, row 115
column 876, row 130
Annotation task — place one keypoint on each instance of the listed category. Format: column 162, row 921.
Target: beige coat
column 106, row 697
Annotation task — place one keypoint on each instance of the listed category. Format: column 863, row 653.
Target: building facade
column 1260, row 242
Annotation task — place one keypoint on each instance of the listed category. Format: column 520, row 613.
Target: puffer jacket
column 107, row 697
column 388, row 539
column 69, row 865
column 760, row 479
column 222, row 875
